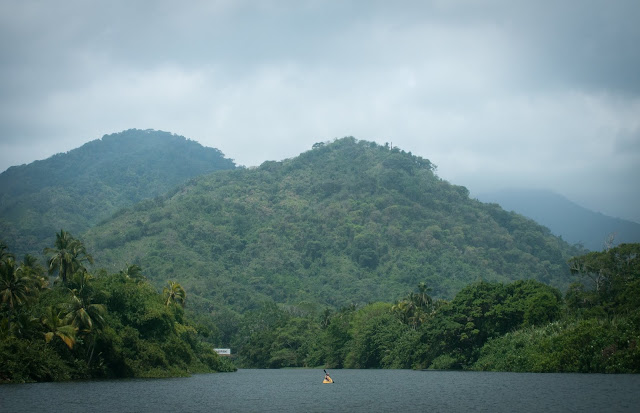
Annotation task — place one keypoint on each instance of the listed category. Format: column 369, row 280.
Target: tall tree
column 174, row 294
column 55, row 325
column 15, row 286
column 4, row 251
column 32, row 268
column 615, row 277
column 84, row 315
column 416, row 308
column 87, row 318
column 134, row 272
column 67, row 256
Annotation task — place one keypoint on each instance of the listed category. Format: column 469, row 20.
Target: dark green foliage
column 612, row 280
column 374, row 332
column 381, row 335
column 483, row 311
column 585, row 346
column 269, row 254
column 26, row 361
column 89, row 327
column 347, row 222
column 601, row 332
column 521, row 326
column 274, row 337
column 156, row 339
column 331, row 345
column 82, row 187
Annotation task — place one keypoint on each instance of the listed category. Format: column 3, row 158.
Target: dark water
column 301, row 390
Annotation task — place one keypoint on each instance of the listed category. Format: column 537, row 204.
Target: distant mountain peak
column 349, row 221
column 565, row 218
column 79, row 188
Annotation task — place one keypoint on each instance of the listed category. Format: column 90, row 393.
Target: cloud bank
column 542, row 94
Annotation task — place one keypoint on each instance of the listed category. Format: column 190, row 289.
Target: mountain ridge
column 77, row 189
column 573, row 222
column 345, row 222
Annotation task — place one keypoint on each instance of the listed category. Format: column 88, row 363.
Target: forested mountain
column 78, row 189
column 346, row 222
column 314, row 261
column 573, row 223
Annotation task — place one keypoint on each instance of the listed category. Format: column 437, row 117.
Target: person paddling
column 327, row 378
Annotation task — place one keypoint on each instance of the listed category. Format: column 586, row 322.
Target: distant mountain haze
column 575, row 224
column 76, row 190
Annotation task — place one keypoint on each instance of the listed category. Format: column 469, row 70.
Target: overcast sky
column 498, row 93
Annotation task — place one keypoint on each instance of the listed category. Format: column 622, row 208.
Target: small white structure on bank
column 223, row 351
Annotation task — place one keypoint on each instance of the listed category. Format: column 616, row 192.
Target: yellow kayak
column 329, row 380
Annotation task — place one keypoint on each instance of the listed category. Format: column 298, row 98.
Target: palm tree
column 67, row 256
column 134, row 272
column 417, row 318
column 416, row 308
column 4, row 253
column 83, row 315
column 24, row 325
column 174, row 294
column 60, row 257
column 54, row 322
column 15, row 286
column 32, row 267
column 80, row 284
column 86, row 318
column 423, row 299
column 31, row 262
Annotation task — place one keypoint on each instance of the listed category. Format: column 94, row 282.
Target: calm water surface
column 301, row 390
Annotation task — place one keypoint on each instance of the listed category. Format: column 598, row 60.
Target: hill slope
column 346, row 222
column 78, row 189
column 573, row 223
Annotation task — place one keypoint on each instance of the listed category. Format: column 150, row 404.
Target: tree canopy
column 346, row 222
column 95, row 326
column 80, row 188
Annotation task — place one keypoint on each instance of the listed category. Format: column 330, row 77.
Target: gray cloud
column 496, row 93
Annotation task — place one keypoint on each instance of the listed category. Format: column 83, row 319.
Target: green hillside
column 346, row 222
column 78, row 189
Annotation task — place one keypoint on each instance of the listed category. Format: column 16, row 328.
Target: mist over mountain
column 574, row 223
column 345, row 222
column 78, row 189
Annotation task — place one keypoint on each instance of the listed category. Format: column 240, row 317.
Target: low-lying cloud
column 496, row 93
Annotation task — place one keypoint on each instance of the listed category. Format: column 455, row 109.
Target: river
column 301, row 390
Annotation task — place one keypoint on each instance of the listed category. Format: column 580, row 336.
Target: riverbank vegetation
column 117, row 325
column 524, row 326
column 100, row 325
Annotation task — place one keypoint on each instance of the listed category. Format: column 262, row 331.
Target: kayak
column 329, row 380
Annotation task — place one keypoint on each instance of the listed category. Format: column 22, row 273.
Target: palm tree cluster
column 82, row 326
column 417, row 308
column 21, row 283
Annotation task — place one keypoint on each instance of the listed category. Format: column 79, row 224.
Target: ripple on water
column 301, row 390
